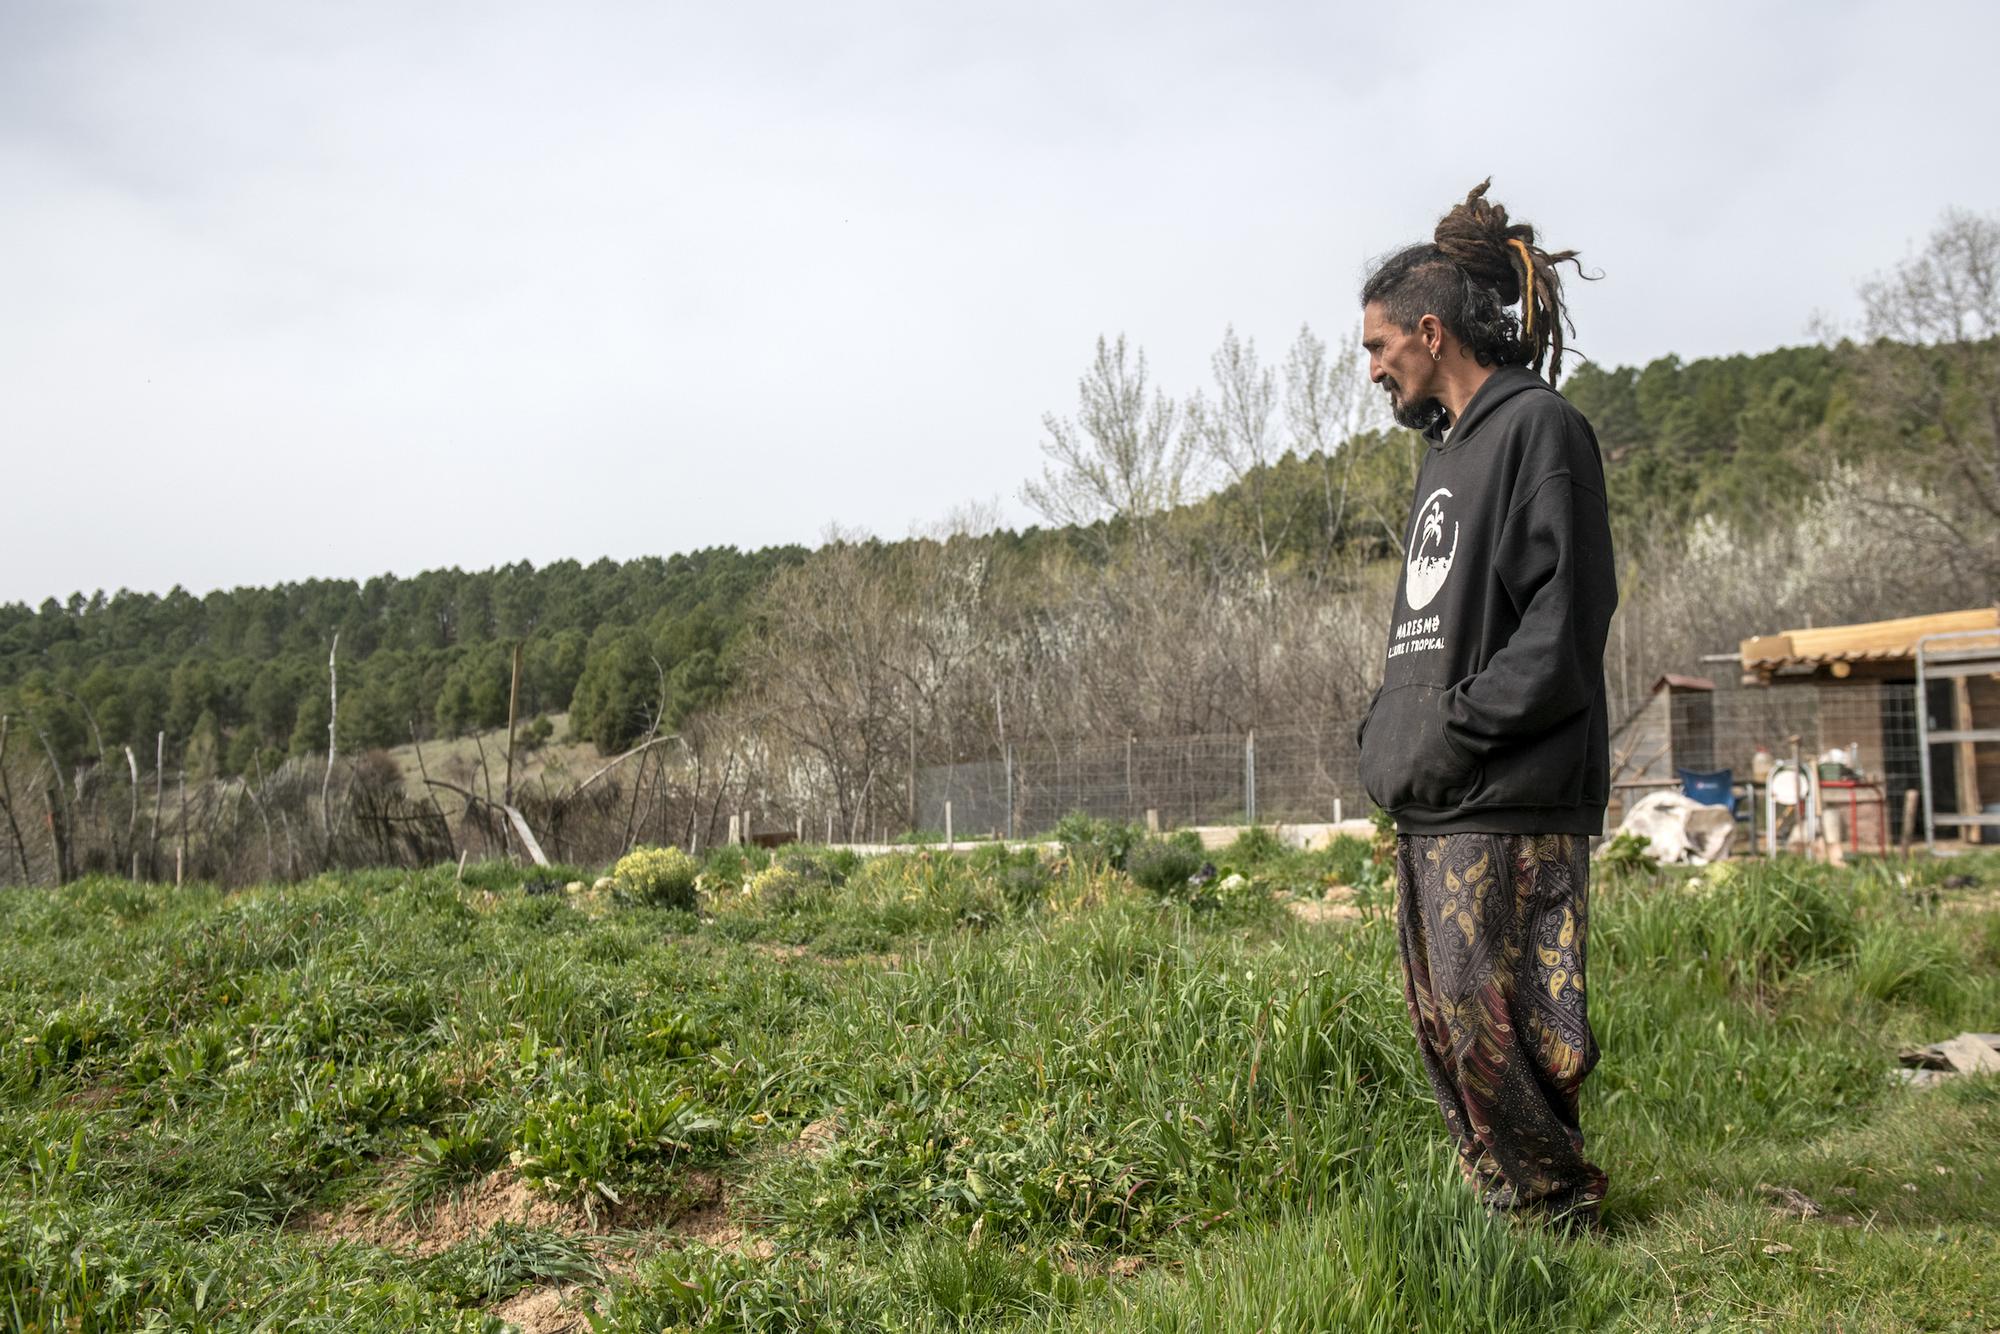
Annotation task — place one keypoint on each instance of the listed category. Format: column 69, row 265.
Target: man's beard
column 1418, row 415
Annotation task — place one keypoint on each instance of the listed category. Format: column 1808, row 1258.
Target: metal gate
column 1957, row 656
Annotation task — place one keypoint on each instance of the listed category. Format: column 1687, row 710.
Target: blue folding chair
column 1710, row 789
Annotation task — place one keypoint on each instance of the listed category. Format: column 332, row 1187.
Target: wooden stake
column 132, row 823
column 332, row 721
column 159, row 791
column 513, row 703
column 58, row 835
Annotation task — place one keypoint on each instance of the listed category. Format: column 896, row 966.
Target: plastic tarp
column 1681, row 830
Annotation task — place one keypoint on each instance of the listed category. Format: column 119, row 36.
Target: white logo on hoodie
column 1430, row 559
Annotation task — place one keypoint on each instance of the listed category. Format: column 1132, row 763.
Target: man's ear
column 1431, row 330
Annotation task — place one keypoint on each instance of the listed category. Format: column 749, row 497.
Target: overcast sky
column 293, row 290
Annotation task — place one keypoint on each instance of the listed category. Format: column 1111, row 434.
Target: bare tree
column 1930, row 395
column 1332, row 414
column 1121, row 457
column 821, row 665
column 1236, row 433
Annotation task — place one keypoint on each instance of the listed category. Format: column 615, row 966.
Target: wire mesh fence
column 305, row 817
column 1309, row 774
column 1278, row 775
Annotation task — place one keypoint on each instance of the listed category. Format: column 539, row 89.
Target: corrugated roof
column 1679, row 682
column 1869, row 641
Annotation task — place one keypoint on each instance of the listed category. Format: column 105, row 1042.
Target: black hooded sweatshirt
column 1491, row 716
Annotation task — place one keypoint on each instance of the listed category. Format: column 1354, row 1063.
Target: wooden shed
column 1673, row 730
column 1865, row 675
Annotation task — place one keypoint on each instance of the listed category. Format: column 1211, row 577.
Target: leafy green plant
column 657, row 877
column 1255, row 846
column 1162, row 867
column 1347, row 859
column 726, row 867
column 623, row 1139
column 510, row 1257
column 1094, row 842
column 1628, row 854
column 453, row 1156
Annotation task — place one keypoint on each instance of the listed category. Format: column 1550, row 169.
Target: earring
column 1435, row 355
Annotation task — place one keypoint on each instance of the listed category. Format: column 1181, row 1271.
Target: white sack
column 1681, row 829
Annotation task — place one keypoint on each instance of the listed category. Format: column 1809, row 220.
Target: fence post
column 1250, row 776
column 947, row 826
column 1007, row 777
column 1130, row 805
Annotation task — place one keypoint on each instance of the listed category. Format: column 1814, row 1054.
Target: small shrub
column 728, row 866
column 780, row 888
column 1628, row 854
column 1097, row 842
column 1347, row 860
column 1024, row 887
column 656, row 877
column 1018, row 873
column 1255, row 846
column 1162, row 867
column 1234, row 894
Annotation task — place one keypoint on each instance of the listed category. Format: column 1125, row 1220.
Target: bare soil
column 1336, row 906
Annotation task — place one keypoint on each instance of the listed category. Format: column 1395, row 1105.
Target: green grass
column 1040, row 1096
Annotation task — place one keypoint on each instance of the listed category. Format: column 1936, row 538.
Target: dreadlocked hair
column 1475, row 268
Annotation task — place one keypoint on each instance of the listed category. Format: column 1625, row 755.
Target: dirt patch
column 94, row 1097
column 782, row 953
column 499, row 1197
column 1797, row 1206
column 550, row 1310
column 1337, row 906
column 713, row 1226
column 698, row 1212
column 818, row 1137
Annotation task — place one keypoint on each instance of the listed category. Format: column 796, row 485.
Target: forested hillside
column 240, row 676
column 242, row 673
column 1213, row 561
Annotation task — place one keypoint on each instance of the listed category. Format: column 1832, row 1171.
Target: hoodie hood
column 1503, row 384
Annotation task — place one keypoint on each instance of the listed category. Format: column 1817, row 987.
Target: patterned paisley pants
column 1492, row 928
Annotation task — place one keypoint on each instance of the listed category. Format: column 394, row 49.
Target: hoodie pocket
column 1406, row 759
column 1545, row 771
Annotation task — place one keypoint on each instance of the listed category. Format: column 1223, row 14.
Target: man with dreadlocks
column 1488, row 738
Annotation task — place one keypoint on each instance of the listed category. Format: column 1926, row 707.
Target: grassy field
column 933, row 1093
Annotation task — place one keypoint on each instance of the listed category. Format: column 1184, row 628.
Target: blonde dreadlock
column 1476, row 266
